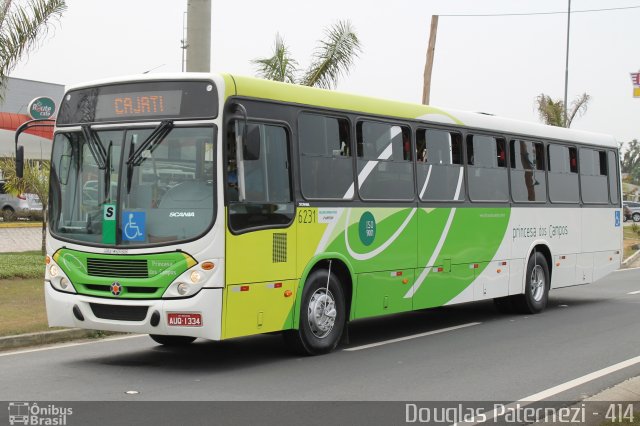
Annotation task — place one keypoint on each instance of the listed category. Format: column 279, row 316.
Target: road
column 466, row 352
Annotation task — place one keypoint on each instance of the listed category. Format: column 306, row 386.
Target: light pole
column 566, row 69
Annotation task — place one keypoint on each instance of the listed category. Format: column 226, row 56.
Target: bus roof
column 253, row 87
column 303, row 95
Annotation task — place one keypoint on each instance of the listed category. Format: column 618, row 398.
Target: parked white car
column 22, row 206
column 633, row 211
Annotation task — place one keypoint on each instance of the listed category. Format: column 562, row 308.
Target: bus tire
column 536, row 288
column 322, row 316
column 172, row 340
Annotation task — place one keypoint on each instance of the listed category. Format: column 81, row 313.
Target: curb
column 630, row 259
column 48, row 337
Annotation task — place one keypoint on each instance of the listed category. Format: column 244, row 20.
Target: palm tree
column 21, row 27
column 552, row 112
column 279, row 67
column 331, row 59
column 35, row 180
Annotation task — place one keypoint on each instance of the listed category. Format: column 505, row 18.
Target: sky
column 496, row 65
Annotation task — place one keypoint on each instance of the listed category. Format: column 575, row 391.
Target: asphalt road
column 489, row 357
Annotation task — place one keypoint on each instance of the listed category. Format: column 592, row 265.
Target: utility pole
column 426, row 91
column 183, row 43
column 566, row 69
column 199, row 35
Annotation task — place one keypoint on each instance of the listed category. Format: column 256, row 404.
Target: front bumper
column 208, row 302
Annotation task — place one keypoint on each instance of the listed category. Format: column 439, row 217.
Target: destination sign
column 139, row 104
column 140, row 101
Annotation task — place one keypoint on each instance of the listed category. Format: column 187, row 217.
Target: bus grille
column 118, row 268
column 118, row 312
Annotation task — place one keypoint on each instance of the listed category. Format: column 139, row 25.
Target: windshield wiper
column 95, row 146
column 107, row 173
column 157, row 136
column 135, row 153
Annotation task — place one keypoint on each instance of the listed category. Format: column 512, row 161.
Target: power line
column 542, row 13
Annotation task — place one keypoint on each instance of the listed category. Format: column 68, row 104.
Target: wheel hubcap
column 321, row 313
column 537, row 283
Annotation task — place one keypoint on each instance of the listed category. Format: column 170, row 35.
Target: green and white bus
column 215, row 206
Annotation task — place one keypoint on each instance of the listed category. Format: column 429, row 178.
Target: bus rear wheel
column 537, row 284
column 172, row 340
column 322, row 315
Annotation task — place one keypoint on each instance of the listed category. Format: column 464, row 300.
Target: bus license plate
column 184, row 319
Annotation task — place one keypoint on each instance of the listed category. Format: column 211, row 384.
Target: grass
column 28, row 264
column 21, row 293
column 631, row 237
column 23, row 309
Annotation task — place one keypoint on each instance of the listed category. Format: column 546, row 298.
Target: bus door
column 261, row 237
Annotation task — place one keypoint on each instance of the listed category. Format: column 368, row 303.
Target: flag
column 635, row 78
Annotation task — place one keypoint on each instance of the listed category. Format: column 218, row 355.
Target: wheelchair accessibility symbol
column 133, row 226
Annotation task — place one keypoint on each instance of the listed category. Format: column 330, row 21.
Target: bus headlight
column 54, row 270
column 195, row 277
column 190, row 282
column 183, row 288
column 64, row 283
column 58, row 279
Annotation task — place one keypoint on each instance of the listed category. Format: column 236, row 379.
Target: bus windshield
column 133, row 187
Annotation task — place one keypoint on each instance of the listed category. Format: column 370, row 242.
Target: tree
column 552, row 112
column 279, row 67
column 35, row 180
column 630, row 161
column 331, row 59
column 21, row 27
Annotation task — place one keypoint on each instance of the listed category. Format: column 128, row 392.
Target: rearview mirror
column 19, row 162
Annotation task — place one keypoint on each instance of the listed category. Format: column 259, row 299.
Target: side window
column 593, row 176
column 528, row 180
column 487, row 168
column 326, row 166
column 614, row 196
column 258, row 180
column 563, row 174
column 385, row 169
column 439, row 165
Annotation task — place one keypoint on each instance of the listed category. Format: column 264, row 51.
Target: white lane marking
column 548, row 393
column 634, row 292
column 69, row 345
column 414, row 336
column 580, row 380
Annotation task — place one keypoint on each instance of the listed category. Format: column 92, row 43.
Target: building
column 18, row 94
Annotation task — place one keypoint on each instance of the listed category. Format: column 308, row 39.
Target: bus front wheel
column 322, row 315
column 172, row 340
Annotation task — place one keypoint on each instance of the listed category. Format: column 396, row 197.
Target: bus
column 216, row 206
